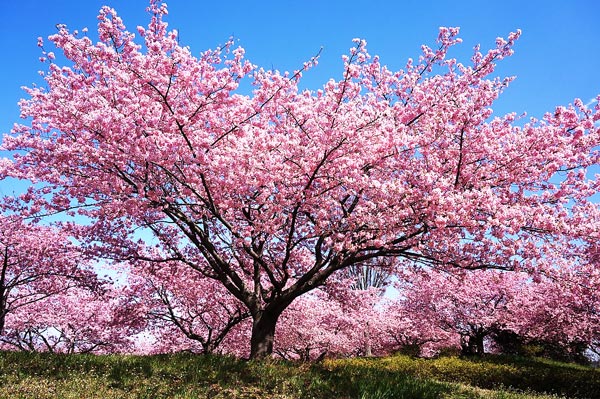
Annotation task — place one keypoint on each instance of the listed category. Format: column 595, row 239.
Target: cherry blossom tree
column 591, row 277
column 37, row 262
column 184, row 310
column 74, row 321
column 273, row 192
column 471, row 305
column 313, row 327
column 409, row 326
column 557, row 309
column 561, row 309
column 322, row 324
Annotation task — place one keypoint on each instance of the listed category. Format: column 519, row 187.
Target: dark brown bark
column 473, row 345
column 3, row 291
column 263, row 333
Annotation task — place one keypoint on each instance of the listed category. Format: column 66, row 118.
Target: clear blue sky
column 556, row 60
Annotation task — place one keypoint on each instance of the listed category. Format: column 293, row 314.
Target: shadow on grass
column 534, row 374
column 368, row 381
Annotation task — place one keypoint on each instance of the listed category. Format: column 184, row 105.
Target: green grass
column 186, row 376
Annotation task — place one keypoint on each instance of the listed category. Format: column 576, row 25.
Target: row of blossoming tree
column 173, row 308
column 237, row 218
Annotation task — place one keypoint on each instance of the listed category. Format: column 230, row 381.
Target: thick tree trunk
column 472, row 345
column 479, row 345
column 263, row 334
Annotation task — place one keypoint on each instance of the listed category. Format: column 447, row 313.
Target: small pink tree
column 36, row 263
column 558, row 307
column 74, row 321
column 320, row 324
column 466, row 308
column 562, row 308
column 409, row 326
column 271, row 193
column 184, row 310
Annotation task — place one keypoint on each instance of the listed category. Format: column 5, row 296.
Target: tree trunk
column 263, row 333
column 3, row 290
column 368, row 347
column 472, row 345
column 479, row 345
column 2, row 320
column 465, row 349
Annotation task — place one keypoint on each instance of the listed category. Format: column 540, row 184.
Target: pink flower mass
column 237, row 212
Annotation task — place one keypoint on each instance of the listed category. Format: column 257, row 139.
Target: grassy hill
column 186, row 376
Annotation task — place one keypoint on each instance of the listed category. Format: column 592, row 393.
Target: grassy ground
column 186, row 376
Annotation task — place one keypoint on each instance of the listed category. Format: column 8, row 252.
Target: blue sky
column 556, row 60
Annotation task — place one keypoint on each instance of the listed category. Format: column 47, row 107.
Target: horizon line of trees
column 52, row 300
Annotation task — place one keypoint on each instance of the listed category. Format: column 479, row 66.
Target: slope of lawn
column 186, row 376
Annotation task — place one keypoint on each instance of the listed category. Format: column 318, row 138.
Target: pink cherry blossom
column 271, row 193
column 36, row 263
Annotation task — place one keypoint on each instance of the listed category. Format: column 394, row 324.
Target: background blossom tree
column 470, row 306
column 325, row 323
column 36, row 263
column 74, row 321
column 561, row 311
column 272, row 193
column 179, row 301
